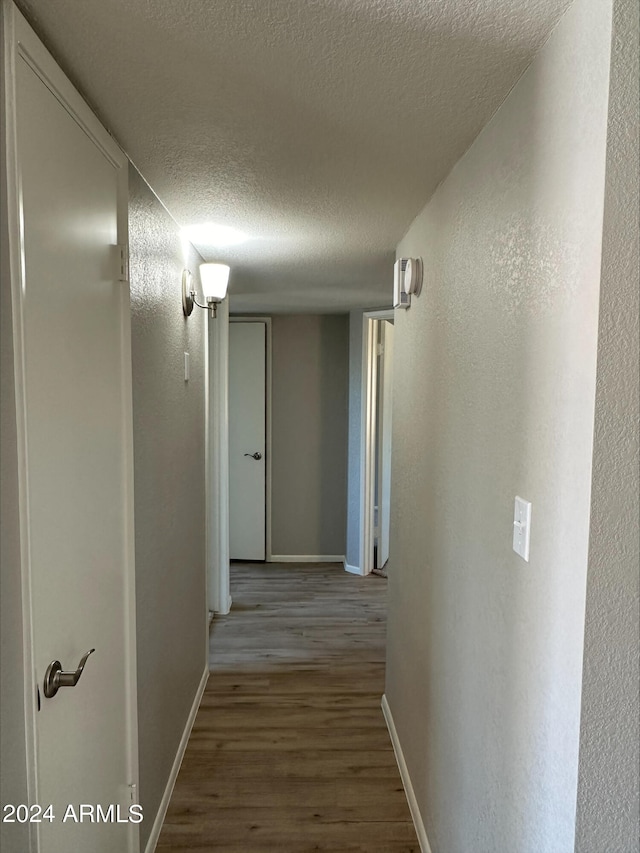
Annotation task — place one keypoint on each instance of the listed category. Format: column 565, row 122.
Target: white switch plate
column 186, row 367
column 522, row 527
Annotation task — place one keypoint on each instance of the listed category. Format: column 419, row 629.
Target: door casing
column 383, row 440
column 368, row 446
column 217, row 463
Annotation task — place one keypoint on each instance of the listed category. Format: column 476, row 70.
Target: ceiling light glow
column 210, row 234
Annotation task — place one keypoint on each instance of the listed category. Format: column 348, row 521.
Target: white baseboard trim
column 353, row 570
column 225, row 609
column 306, row 558
column 406, row 779
column 168, row 791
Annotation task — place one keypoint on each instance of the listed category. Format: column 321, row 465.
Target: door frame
column 368, row 428
column 242, row 318
column 217, row 461
column 21, row 43
column 383, row 427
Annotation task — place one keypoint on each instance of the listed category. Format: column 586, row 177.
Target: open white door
column 385, row 390
column 74, row 407
column 247, row 440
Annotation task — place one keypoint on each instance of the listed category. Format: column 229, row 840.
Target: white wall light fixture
column 407, row 280
column 214, row 279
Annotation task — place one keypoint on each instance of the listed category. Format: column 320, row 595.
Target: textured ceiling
column 319, row 127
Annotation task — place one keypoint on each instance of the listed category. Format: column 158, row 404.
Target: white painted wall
column 494, row 396
column 169, row 480
column 609, row 754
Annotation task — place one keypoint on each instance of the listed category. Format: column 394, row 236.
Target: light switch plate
column 186, row 367
column 522, row 527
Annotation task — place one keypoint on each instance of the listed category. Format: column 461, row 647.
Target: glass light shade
column 214, row 279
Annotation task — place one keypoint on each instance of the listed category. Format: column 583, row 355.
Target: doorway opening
column 375, row 487
column 249, row 438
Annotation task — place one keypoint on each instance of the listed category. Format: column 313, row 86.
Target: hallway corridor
column 289, row 751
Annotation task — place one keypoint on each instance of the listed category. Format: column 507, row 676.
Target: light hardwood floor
column 289, row 751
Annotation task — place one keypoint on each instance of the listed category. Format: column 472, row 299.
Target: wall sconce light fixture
column 214, row 279
column 407, row 280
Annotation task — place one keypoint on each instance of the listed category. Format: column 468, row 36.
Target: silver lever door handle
column 256, row 455
column 55, row 678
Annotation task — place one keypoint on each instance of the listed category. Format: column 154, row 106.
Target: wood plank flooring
column 289, row 751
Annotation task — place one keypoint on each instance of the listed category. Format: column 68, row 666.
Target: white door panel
column 247, row 432
column 78, row 434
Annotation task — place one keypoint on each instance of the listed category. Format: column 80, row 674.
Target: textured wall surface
column 13, row 782
column 609, row 759
column 309, row 434
column 494, row 393
column 169, row 447
column 353, row 555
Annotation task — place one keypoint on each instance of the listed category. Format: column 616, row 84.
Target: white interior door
column 247, row 440
column 77, row 479
column 384, row 442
